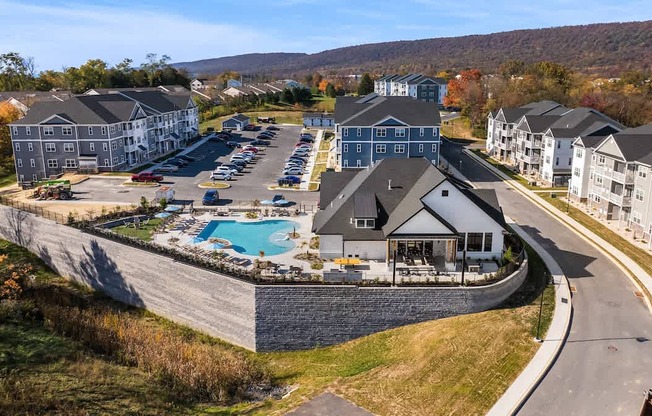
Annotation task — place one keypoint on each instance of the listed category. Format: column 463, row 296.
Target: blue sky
column 68, row 33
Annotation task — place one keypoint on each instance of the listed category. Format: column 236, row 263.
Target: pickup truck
column 146, row 177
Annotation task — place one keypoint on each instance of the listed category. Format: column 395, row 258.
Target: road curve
column 606, row 363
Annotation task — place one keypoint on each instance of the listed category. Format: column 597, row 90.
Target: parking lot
column 246, row 186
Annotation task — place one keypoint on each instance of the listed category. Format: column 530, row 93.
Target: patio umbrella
column 162, row 215
column 267, row 202
column 172, row 208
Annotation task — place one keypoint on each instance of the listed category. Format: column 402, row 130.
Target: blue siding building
column 373, row 128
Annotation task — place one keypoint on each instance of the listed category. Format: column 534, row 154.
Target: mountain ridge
column 605, row 48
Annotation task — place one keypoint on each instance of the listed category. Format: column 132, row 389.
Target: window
column 399, row 148
column 345, row 132
column 50, row 147
column 66, row 131
column 68, row 147
column 104, row 133
column 574, row 190
column 358, row 163
column 48, row 131
column 32, row 163
column 399, row 133
column 345, row 148
column 556, row 161
column 421, row 148
column 642, row 172
column 52, row 163
column 639, row 195
column 17, row 147
column 579, row 153
column 462, row 242
column 114, row 145
column 421, row 132
column 14, row 130
column 474, row 242
column 434, row 148
column 359, row 132
column 576, row 172
column 601, row 160
column 90, row 130
column 30, row 147
column 106, row 162
column 34, row 177
column 488, row 241
column 115, row 160
column 598, row 180
column 71, row 163
column 547, row 159
column 113, row 129
column 28, row 130
column 358, row 148
column 365, row 223
column 122, row 158
column 381, row 148
column 570, row 161
column 444, row 192
column 381, row 132
column 91, row 147
column 559, row 145
column 19, row 163
column 105, row 147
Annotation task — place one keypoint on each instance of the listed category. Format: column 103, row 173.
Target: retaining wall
column 257, row 317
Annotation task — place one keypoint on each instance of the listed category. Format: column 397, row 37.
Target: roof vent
column 389, row 184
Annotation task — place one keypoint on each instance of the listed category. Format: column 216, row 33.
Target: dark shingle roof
column 364, row 205
column 539, row 124
column 582, row 121
column 369, row 110
column 635, row 143
column 159, row 101
column 83, row 109
column 336, row 182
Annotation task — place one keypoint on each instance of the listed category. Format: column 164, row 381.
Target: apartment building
column 374, row 127
column 105, row 132
column 420, row 87
column 619, row 179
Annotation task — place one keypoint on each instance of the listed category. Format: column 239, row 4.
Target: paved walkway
column 329, row 404
column 305, row 179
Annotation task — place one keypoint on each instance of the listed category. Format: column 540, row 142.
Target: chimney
column 389, row 184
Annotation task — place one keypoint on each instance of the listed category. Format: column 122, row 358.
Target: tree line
column 18, row 73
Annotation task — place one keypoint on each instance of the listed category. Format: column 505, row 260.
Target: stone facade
column 260, row 318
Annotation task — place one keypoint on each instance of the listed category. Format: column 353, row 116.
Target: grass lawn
column 7, row 180
column 323, row 103
column 458, row 365
column 144, row 232
column 282, row 117
column 457, row 128
column 640, row 256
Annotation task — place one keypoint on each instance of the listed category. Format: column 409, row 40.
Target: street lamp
column 460, row 165
column 537, row 339
column 461, row 240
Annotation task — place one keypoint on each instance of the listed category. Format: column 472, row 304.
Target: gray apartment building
column 105, row 132
column 620, row 179
column 420, row 87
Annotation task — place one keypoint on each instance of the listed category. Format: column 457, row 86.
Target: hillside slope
column 604, row 48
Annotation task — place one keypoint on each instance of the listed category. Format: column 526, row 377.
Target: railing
column 626, row 177
column 531, row 158
column 34, row 209
column 621, row 200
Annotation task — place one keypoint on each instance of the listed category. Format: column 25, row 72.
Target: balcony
column 532, row 159
column 622, row 200
column 623, row 177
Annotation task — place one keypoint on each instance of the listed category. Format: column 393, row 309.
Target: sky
column 64, row 33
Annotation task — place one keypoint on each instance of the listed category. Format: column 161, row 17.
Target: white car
column 293, row 171
column 167, row 168
column 225, row 169
column 240, row 156
column 248, row 153
column 221, row 176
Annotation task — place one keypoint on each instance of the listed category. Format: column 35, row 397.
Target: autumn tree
column 366, row 85
column 322, row 85
column 8, row 114
column 12, row 278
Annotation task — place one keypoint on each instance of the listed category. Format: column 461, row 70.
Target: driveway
column 247, row 186
column 604, row 366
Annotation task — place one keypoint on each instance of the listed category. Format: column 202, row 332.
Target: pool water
column 270, row 236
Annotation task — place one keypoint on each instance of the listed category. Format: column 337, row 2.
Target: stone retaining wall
column 257, row 317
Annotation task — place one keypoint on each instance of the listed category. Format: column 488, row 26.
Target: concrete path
column 603, row 367
column 328, row 404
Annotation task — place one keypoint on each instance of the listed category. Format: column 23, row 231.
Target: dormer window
column 365, row 223
column 444, row 192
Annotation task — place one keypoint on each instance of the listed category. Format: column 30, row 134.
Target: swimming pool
column 270, row 236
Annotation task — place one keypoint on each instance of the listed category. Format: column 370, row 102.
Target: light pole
column 460, row 165
column 537, row 339
column 461, row 240
column 568, row 199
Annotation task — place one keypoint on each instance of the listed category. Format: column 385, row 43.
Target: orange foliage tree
column 323, row 84
column 13, row 278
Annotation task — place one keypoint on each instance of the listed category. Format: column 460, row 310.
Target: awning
column 347, row 261
column 176, row 136
column 141, row 147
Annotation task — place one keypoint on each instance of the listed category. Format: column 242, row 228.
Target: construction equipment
column 54, row 190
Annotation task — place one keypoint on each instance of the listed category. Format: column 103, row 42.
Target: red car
column 146, row 177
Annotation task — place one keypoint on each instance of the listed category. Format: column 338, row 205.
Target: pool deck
column 187, row 227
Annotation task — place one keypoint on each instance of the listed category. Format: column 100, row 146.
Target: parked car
column 259, row 142
column 301, row 150
column 249, row 153
column 177, row 162
column 222, row 137
column 238, row 168
column 303, row 145
column 233, row 144
column 272, row 128
column 167, row 168
column 225, row 169
column 307, row 139
column 293, row 171
column 296, row 159
column 186, row 158
column 146, row 177
column 250, row 127
column 251, row 148
column 221, row 176
column 238, row 156
column 225, row 133
column 239, row 162
column 211, row 197
column 289, row 180
column 267, row 133
column 264, row 137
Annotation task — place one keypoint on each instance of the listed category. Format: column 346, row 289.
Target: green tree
column 366, row 85
column 153, row 67
column 94, row 74
column 8, row 114
column 16, row 72
column 330, row 90
column 287, row 96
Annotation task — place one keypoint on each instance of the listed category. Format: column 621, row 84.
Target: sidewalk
column 533, row 373
column 305, row 179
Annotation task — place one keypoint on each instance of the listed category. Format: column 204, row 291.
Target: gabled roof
column 538, row 108
column 158, row 101
column 583, row 121
column 634, row 143
column 238, row 117
column 345, row 195
column 538, row 124
column 371, row 109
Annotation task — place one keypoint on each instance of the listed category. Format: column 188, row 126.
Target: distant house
column 318, row 120
column 203, row 84
column 420, row 87
column 410, row 207
column 233, row 83
column 23, row 100
column 236, row 122
column 372, row 128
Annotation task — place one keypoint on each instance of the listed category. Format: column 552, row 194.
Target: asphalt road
column 606, row 362
column 249, row 185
